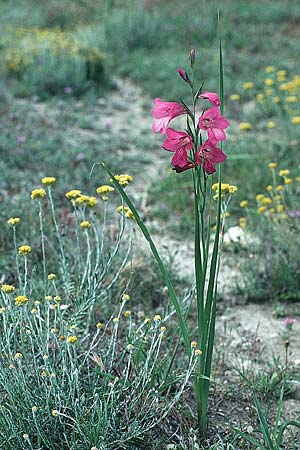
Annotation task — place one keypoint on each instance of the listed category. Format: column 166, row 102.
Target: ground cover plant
column 121, row 378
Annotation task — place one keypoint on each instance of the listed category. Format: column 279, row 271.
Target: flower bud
column 183, row 75
column 192, row 56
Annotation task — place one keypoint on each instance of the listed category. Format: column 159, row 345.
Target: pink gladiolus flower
column 209, row 155
column 163, row 113
column 180, row 143
column 212, row 97
column 212, row 121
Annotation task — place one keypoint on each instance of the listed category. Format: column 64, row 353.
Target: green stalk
column 156, row 255
column 208, row 321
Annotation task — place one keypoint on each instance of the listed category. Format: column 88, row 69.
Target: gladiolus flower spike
column 184, row 144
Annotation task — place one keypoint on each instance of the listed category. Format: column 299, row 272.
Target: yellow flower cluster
column 104, row 189
column 13, row 221
column 21, row 300
column 245, row 126
column 72, row 339
column 24, row 250
column 24, row 46
column 123, row 179
column 74, row 193
column 225, row 188
column 7, row 288
column 248, row 85
column 48, row 180
column 38, row 193
column 85, row 224
column 79, row 199
column 125, row 211
column 85, row 200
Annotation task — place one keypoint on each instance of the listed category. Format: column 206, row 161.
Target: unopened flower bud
column 183, row 75
column 192, row 56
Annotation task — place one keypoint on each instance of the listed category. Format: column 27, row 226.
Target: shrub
column 51, row 59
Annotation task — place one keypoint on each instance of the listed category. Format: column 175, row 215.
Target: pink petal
column 180, row 158
column 212, row 97
column 209, row 167
column 161, row 125
column 216, row 155
column 214, row 134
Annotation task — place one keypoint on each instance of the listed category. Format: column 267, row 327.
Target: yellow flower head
column 18, row 355
column 92, row 202
column 284, row 172
column 269, row 188
column 248, row 85
column 48, row 180
column 224, row 187
column 295, row 120
column 269, row 91
column 270, row 69
column 235, row 97
column 288, row 180
column 85, row 224
column 7, row 288
column 126, row 297
column 243, row 222
column 125, row 211
column 279, row 188
column 272, row 165
column 13, row 221
column 271, row 124
column 284, row 216
column 104, row 189
column 280, row 208
column 244, row 203
column 157, row 318
column 24, row 250
column 291, row 99
column 51, row 276
column 38, row 193
column 99, row 325
column 21, row 300
column 72, row 339
column 245, row 126
column 198, row 352
column 281, row 73
column 259, row 197
column 262, row 209
column 124, row 179
column 266, row 201
column 232, row 189
column 74, row 193
column 276, row 99
column 194, row 344
column 269, row 82
column 129, row 215
column 260, row 98
column 127, row 313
